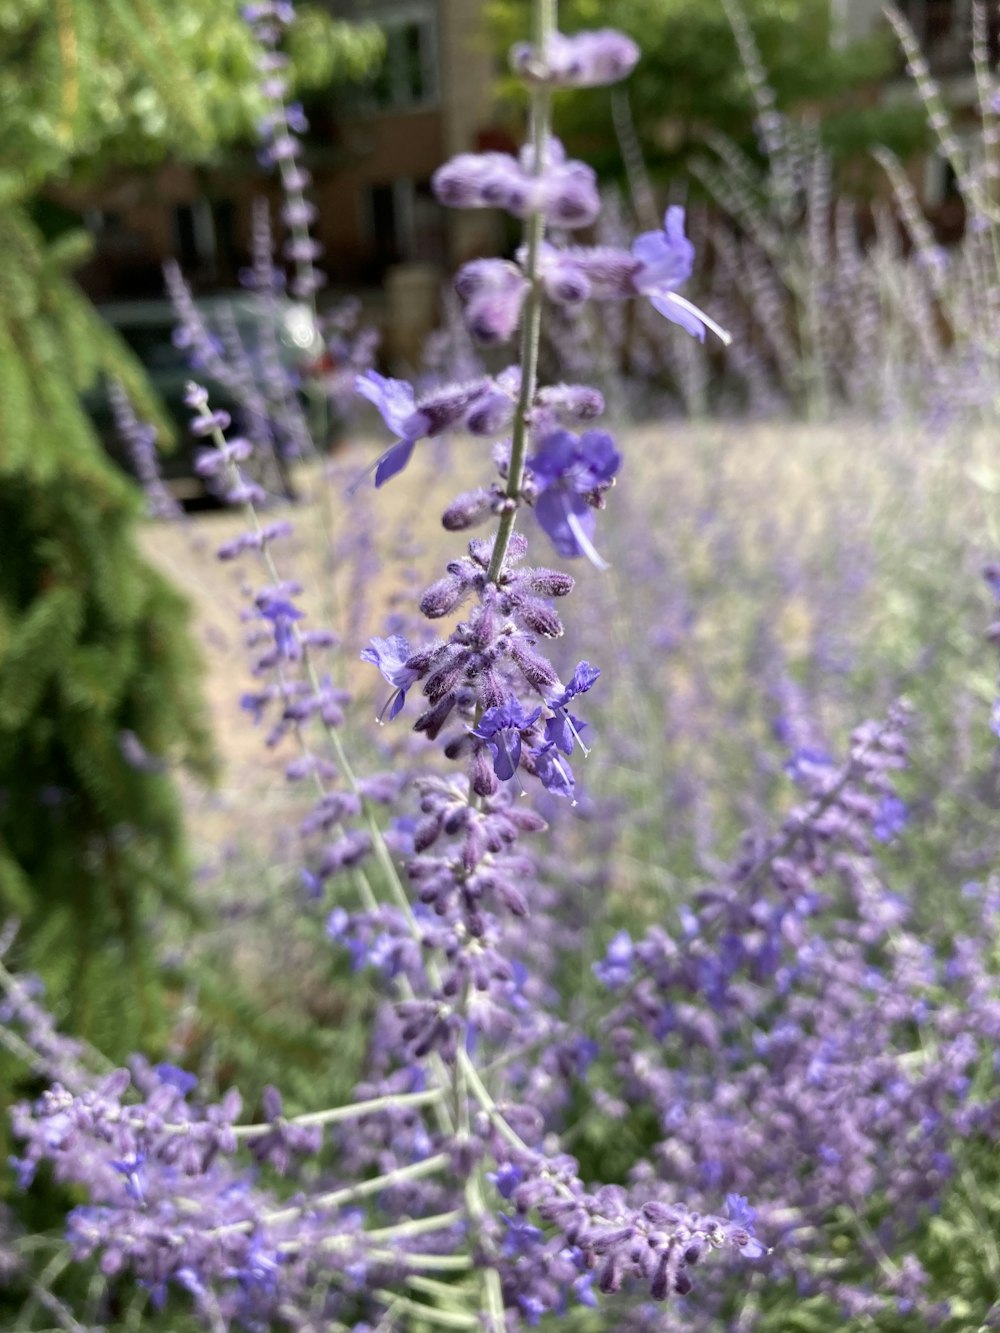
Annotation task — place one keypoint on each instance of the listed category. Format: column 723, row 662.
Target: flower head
column 390, row 656
column 436, row 412
column 501, row 727
column 666, row 259
column 569, row 473
column 562, row 729
column 397, row 406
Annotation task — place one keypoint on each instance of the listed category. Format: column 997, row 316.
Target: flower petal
column 393, row 461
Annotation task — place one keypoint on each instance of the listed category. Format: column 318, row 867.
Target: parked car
column 148, row 327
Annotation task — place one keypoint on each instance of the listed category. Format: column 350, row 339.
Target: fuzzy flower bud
column 583, row 60
column 493, row 292
column 468, row 509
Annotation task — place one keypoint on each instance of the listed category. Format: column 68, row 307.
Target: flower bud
column 572, row 402
column 490, row 414
column 582, row 60
column 467, row 509
column 442, row 597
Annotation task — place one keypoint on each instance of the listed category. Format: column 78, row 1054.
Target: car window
column 153, row 345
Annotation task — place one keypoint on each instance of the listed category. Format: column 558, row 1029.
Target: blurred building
column 432, row 98
column 372, row 150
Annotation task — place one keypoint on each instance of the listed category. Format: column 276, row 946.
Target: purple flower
column 565, row 191
column 563, row 729
column 390, row 656
column 501, row 727
column 492, row 292
column 569, row 473
column 743, row 1218
column 282, row 613
column 892, row 817
column 553, row 773
column 437, row 412
column 506, row 1178
column 395, row 401
column 583, row 60
column 666, row 258
column 615, row 968
column 131, row 1169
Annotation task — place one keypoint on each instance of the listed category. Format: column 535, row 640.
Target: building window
column 408, row 76
column 405, row 223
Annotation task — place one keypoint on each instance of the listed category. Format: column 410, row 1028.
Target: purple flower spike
column 666, row 259
column 501, row 727
column 390, row 656
column 569, row 473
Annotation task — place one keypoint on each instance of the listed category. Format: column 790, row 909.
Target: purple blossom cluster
column 285, row 396
column 167, row 1201
column 140, row 440
column 799, row 1002
column 794, row 1039
column 563, row 192
column 279, row 131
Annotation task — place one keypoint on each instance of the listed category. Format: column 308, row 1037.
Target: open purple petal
column 393, row 398
column 667, row 256
column 393, row 461
column 553, row 509
column 668, row 305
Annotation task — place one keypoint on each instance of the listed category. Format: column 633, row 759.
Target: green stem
column 417, row 1226
column 428, row 1313
column 333, row 1116
column 534, row 233
column 401, row 1176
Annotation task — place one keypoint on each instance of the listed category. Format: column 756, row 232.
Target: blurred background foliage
column 85, row 86
column 691, row 83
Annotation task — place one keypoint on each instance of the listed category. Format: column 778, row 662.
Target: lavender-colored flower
column 435, row 413
column 564, row 191
column 492, row 292
column 616, row 967
column 501, row 728
column 666, row 259
column 569, row 473
column 657, row 264
column 397, row 405
column 583, row 60
column 892, row 817
column 562, row 729
column 552, row 772
column 390, row 656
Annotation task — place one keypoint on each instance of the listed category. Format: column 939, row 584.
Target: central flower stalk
column 544, row 26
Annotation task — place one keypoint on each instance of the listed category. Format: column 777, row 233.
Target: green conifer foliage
column 93, row 643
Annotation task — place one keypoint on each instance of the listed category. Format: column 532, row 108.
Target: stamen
column 584, row 542
column 707, row 320
column 576, row 734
